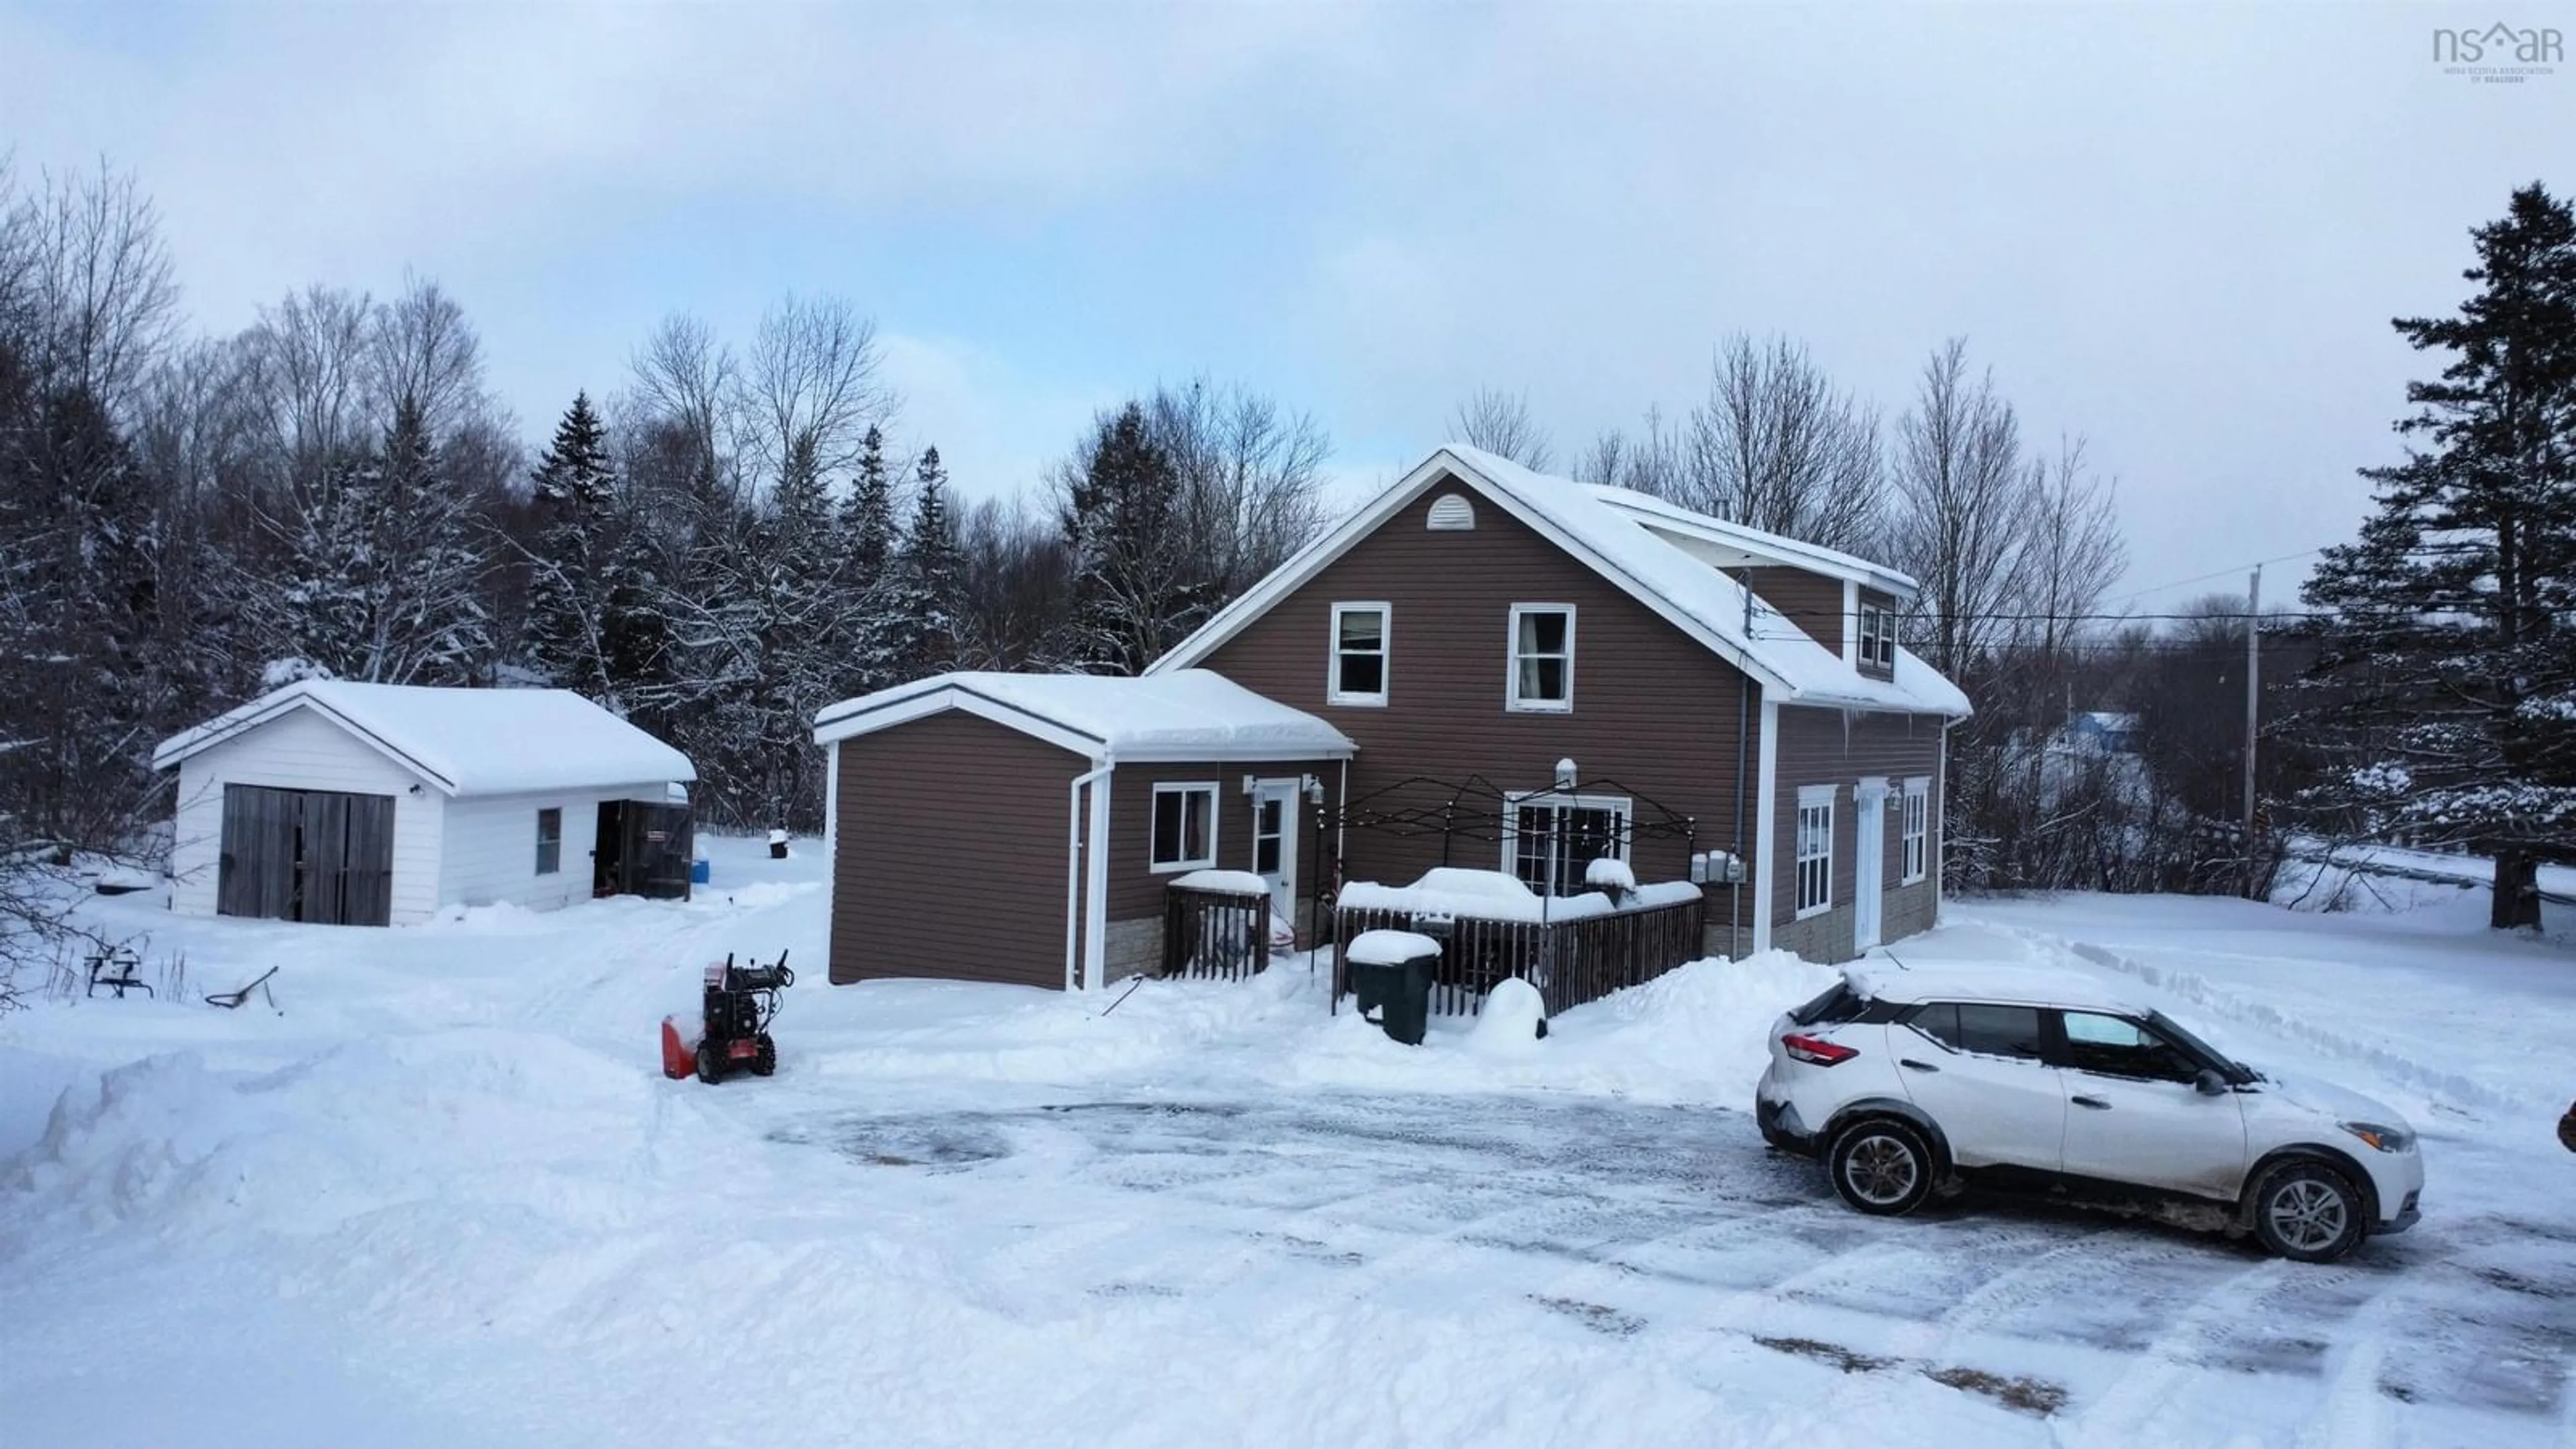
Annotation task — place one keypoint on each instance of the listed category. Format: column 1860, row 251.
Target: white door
column 1274, row 842
column 1869, row 843
column 2134, row 1116
column 1977, row 1071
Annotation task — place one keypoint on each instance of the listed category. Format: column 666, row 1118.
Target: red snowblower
column 741, row 1002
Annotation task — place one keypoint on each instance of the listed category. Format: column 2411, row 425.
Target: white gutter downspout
column 1073, row 873
column 831, row 798
column 1095, row 947
column 1936, row 814
column 1766, row 827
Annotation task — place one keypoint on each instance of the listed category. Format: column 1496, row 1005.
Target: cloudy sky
column 2178, row 231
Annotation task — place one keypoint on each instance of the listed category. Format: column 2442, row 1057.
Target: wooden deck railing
column 1570, row 962
column 1223, row 935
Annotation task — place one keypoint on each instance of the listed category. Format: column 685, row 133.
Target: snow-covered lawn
column 442, row 1196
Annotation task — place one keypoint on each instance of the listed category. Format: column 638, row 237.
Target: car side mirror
column 2210, row 1083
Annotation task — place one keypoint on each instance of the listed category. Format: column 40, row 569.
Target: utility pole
column 2253, row 686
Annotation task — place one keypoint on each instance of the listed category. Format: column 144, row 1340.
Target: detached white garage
column 376, row 804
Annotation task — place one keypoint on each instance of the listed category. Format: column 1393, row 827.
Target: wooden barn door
column 306, row 855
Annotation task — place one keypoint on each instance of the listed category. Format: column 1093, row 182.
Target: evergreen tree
column 926, row 582
column 384, row 581
column 1134, row 595
column 867, row 514
column 2454, row 668
column 575, row 588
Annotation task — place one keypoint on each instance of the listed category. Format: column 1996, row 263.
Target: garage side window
column 1184, row 827
column 549, row 841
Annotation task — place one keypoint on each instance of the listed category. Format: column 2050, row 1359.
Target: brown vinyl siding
column 1812, row 601
column 1830, row 747
column 1653, row 709
column 1135, row 887
column 951, row 853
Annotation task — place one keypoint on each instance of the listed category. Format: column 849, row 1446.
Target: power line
column 2221, row 573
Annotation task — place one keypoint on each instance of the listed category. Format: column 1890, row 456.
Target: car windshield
column 2174, row 1032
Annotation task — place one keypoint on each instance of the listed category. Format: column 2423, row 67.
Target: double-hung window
column 1815, row 849
column 549, row 841
column 1184, row 827
column 1877, row 637
column 1542, row 639
column 1360, row 654
column 1550, row 840
column 1916, row 836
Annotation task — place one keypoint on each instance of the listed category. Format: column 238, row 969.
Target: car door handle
column 2096, row 1103
column 1911, row 1065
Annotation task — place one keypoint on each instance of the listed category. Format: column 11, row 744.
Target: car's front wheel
column 2308, row 1212
column 1883, row 1167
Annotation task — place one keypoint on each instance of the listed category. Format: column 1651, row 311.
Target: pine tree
column 2454, row 670
column 925, row 583
column 577, row 586
column 1134, row 595
column 867, row 514
column 383, row 578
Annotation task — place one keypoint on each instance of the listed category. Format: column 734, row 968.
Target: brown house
column 1499, row 670
column 1022, row 827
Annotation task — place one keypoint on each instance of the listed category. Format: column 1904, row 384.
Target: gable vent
column 1452, row 514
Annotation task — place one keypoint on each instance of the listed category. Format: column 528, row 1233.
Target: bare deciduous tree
column 685, row 388
column 1651, row 462
column 1250, row 475
column 1778, row 447
column 84, row 255
column 422, row 352
column 2075, row 550
column 1500, row 423
column 305, row 365
column 813, row 385
column 1961, row 521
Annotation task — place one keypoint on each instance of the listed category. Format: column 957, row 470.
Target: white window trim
column 1512, row 701
column 1562, row 800
column 1154, row 813
column 1813, row 797
column 1385, row 650
column 541, row 867
column 1918, row 796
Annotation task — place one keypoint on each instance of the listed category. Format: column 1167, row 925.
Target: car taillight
column 1815, row 1051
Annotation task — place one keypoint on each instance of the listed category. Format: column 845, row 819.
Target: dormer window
column 1542, row 641
column 1359, row 654
column 1877, row 637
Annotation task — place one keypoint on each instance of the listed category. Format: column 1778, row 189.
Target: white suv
column 1906, row 1082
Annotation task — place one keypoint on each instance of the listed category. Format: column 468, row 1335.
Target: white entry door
column 1274, row 842
column 1869, row 845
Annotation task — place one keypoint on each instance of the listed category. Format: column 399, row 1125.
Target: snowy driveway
column 1669, row 1226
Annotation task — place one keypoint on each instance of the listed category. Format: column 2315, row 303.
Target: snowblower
column 741, row 1002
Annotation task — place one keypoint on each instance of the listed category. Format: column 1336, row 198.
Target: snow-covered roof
column 1614, row 539
column 1752, row 544
column 1188, row 714
column 464, row 741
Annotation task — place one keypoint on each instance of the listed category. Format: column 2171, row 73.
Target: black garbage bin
column 1390, row 974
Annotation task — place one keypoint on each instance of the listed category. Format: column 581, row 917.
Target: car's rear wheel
column 2308, row 1212
column 1883, row 1167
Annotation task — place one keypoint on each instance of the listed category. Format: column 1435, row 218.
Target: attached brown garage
column 1022, row 828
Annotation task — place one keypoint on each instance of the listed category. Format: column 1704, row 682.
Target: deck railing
column 1570, row 961
column 1223, row 935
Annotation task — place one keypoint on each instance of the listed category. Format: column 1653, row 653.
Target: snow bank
column 1514, row 1016
column 170, row 1145
column 1696, row 1034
